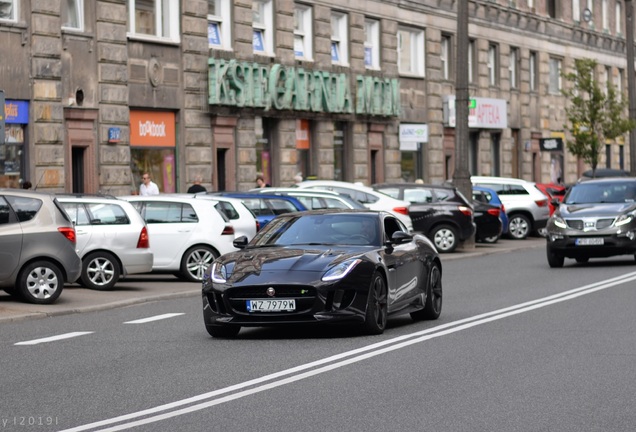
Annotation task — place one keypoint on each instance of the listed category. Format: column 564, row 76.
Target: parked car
column 552, row 191
column 112, row 238
column 37, row 246
column 315, row 199
column 489, row 196
column 439, row 212
column 324, row 266
column 526, row 206
column 236, row 213
column 487, row 221
column 186, row 233
column 596, row 219
column 265, row 207
column 365, row 195
column 603, row 173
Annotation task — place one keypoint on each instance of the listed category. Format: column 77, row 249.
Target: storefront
column 413, row 138
column 153, row 148
column 13, row 157
column 554, row 146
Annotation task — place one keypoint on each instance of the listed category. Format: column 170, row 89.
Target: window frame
column 446, row 53
column 532, row 68
column 374, row 44
column 341, row 40
column 223, row 22
column 576, row 11
column 605, row 15
column 172, row 18
column 471, row 61
column 79, row 7
column 513, row 67
column 305, row 34
column 265, row 28
column 15, row 12
column 559, row 84
column 493, row 64
column 418, row 44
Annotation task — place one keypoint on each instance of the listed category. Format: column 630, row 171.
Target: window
column 154, row 18
column 533, row 71
column 73, row 14
column 590, row 6
column 530, row 4
column 604, row 15
column 445, row 56
column 303, row 36
column 551, row 8
column 263, row 25
column 619, row 18
column 493, row 61
column 339, row 40
column 512, row 67
column 576, row 10
column 219, row 24
column 411, row 51
column 607, row 79
column 471, row 63
column 372, row 44
column 8, row 10
column 555, row 75
column 619, row 83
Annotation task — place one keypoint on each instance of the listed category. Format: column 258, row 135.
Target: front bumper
column 569, row 246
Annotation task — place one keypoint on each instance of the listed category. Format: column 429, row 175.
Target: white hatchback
column 186, row 233
column 236, row 213
column 370, row 198
column 112, row 239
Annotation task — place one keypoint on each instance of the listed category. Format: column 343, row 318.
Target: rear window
column 227, row 209
column 280, row 206
column 418, row 195
column 167, row 212
column 5, row 212
column 25, row 208
column 107, row 214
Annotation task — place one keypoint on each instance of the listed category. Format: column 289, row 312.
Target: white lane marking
column 53, row 338
column 417, row 337
column 154, row 318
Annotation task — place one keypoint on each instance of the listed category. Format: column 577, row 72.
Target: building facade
column 98, row 92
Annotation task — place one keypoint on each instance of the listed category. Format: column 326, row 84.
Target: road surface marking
column 53, row 338
column 154, row 318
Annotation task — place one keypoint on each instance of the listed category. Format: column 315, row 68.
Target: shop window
column 555, row 75
column 220, row 24
column 372, row 44
column 411, row 51
column 8, row 10
column 263, row 129
column 303, row 147
column 155, row 19
column 73, row 14
column 303, row 35
column 11, row 157
column 263, row 27
column 339, row 39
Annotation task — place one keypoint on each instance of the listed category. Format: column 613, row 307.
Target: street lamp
column 631, row 85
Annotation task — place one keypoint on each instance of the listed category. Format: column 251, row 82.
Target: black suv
column 439, row 212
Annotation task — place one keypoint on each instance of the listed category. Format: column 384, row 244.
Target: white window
column 531, row 3
column 619, row 18
column 303, row 36
column 590, row 6
column 9, row 10
column 604, row 15
column 154, row 18
column 493, row 62
column 219, row 24
column 411, row 51
column 372, row 44
column 471, row 63
column 512, row 67
column 263, row 26
column 445, row 56
column 555, row 75
column 576, row 10
column 339, row 39
column 533, row 71
column 73, row 14
column 619, row 83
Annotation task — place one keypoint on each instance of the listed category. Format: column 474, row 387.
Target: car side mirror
column 555, row 202
column 400, row 237
column 240, row 242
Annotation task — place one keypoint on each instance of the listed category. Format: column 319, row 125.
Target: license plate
column 278, row 305
column 594, row 241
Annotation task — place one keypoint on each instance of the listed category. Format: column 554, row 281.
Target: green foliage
column 594, row 115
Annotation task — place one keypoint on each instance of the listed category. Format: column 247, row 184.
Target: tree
column 594, row 114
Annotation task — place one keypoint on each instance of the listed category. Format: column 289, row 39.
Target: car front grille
column 581, row 225
column 304, row 295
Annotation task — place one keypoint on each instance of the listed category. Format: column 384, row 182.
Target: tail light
column 466, row 211
column 503, row 209
column 542, row 203
column 401, row 210
column 494, row 211
column 228, row 230
column 69, row 233
column 144, row 240
column 258, row 226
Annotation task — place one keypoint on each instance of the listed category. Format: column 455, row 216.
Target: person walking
column 197, row 186
column 260, row 181
column 148, row 187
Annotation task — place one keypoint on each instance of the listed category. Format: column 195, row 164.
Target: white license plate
column 278, row 305
column 594, row 241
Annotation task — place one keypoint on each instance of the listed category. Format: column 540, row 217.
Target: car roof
column 335, row 183
column 609, row 180
column 500, row 180
column 413, row 185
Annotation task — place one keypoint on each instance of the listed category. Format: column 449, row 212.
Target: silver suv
column 526, row 206
column 112, row 239
column 37, row 246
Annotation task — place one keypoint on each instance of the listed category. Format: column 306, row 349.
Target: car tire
column 555, row 260
column 376, row 314
column 444, row 238
column 519, row 226
column 433, row 306
column 40, row 282
column 582, row 260
column 195, row 262
column 491, row 240
column 223, row 331
column 100, row 271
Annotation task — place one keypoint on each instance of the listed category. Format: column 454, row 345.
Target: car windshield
column 320, row 229
column 589, row 193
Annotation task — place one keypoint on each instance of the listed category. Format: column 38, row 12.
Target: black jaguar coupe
column 324, row 266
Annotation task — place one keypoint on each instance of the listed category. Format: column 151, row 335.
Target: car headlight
column 623, row 219
column 340, row 271
column 559, row 222
column 219, row 273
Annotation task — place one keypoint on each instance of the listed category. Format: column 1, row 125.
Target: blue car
column 266, row 207
column 489, row 196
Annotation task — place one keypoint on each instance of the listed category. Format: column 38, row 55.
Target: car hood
column 595, row 210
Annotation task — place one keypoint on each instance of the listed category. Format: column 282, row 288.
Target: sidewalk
column 147, row 288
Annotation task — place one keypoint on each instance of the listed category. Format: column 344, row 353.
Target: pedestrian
column 27, row 185
column 197, row 186
column 260, row 181
column 298, row 178
column 148, row 187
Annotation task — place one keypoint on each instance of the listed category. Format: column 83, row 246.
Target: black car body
column 324, row 266
column 596, row 219
column 487, row 221
column 439, row 212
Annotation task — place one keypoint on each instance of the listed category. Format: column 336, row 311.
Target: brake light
column 228, row 230
column 494, row 211
column 503, row 209
column 144, row 240
column 69, row 233
column 542, row 203
column 466, row 211
column 401, row 210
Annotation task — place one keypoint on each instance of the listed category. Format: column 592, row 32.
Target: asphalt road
column 519, row 347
